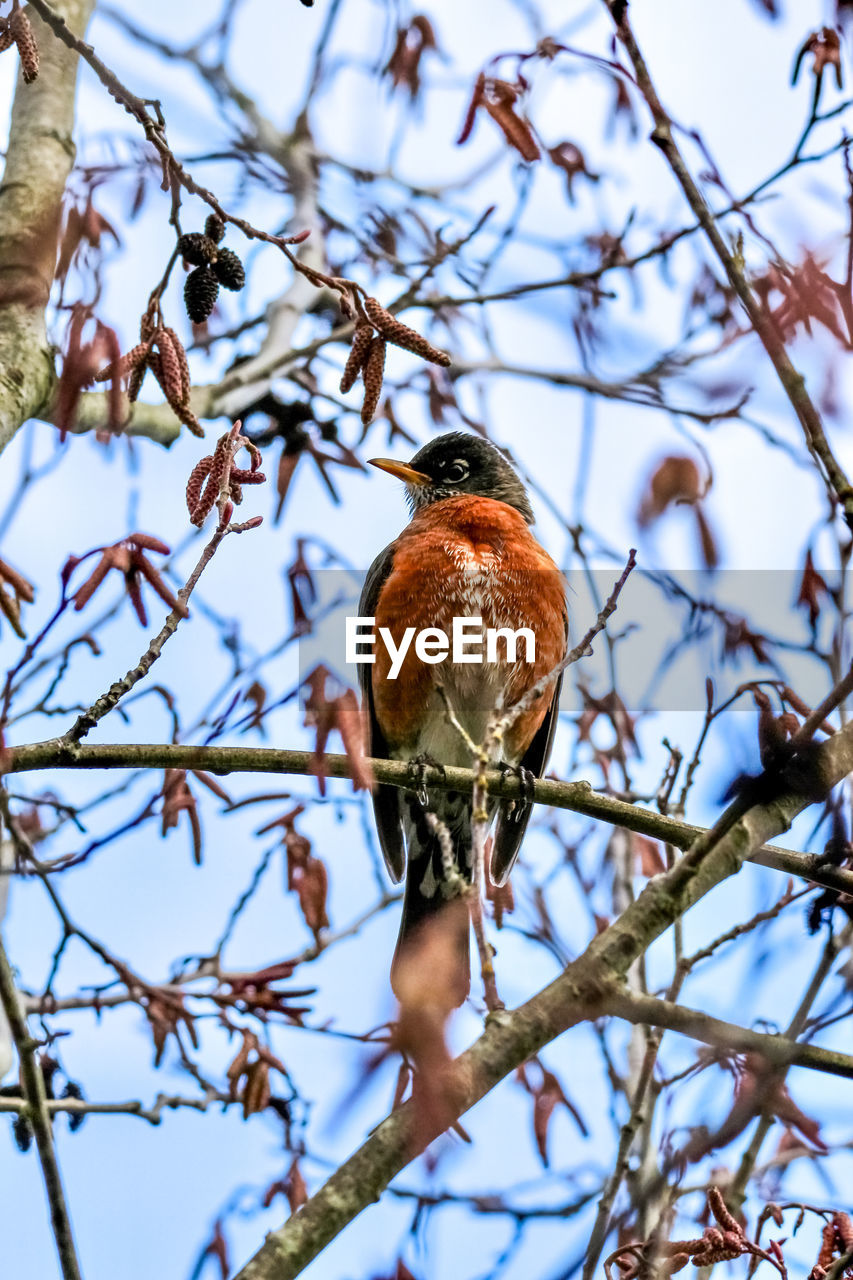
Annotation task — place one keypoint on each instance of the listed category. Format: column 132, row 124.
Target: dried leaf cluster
column 412, row 42
column 178, row 799
column 160, row 350
column 15, row 590
column 676, row 481
column 128, row 557
column 81, row 366
column 339, row 712
column 547, row 1095
column 249, row 1074
column 307, row 876
column 501, row 100
column 825, row 47
column 166, row 1014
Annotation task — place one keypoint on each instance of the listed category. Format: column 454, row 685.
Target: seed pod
column 214, row 227
column 228, row 270
column 374, row 367
column 357, row 354
column 197, row 249
column 401, row 335
column 201, row 290
column 28, row 50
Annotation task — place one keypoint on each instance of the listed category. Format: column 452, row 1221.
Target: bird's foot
column 418, row 767
column 527, row 786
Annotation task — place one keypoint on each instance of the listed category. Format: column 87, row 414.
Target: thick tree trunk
column 39, row 159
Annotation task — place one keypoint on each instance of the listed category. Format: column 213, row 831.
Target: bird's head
column 455, row 464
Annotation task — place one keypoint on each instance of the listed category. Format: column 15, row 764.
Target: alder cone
column 229, row 270
column 201, row 290
column 374, row 369
column 214, row 228
column 197, row 249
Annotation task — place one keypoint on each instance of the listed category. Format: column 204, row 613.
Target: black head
column 458, row 463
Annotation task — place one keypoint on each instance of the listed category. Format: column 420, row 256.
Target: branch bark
column 778, row 1050
column 32, row 1085
column 579, row 797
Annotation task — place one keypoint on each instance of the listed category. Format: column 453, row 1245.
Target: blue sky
column 143, row 1198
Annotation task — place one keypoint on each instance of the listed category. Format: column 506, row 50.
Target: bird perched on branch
column 467, row 553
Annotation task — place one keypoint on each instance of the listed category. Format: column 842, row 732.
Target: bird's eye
column 457, row 471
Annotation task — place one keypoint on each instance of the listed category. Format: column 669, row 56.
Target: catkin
column 361, row 340
column 401, row 335
column 374, row 367
column 28, row 50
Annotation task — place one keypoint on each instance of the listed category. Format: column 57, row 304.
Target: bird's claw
column 418, row 767
column 527, row 786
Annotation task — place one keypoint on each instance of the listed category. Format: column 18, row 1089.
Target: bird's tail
column 433, row 944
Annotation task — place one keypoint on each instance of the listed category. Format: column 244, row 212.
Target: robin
column 467, row 553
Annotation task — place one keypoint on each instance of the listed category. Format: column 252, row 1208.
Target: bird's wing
column 513, row 816
column 386, row 805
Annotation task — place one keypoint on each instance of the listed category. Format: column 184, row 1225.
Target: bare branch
column 38, row 1115
column 579, row 797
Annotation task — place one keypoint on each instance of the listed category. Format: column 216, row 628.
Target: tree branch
column 577, row 797
column 583, row 991
column 153, row 1114
column 778, row 1050
column 32, row 1083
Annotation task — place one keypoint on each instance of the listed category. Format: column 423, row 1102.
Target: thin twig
column 107, row 701
column 762, row 322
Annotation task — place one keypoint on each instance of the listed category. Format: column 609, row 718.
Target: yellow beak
column 400, row 471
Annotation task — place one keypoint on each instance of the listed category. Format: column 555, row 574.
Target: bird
column 467, row 552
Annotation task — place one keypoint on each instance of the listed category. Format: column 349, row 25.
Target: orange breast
column 467, row 557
